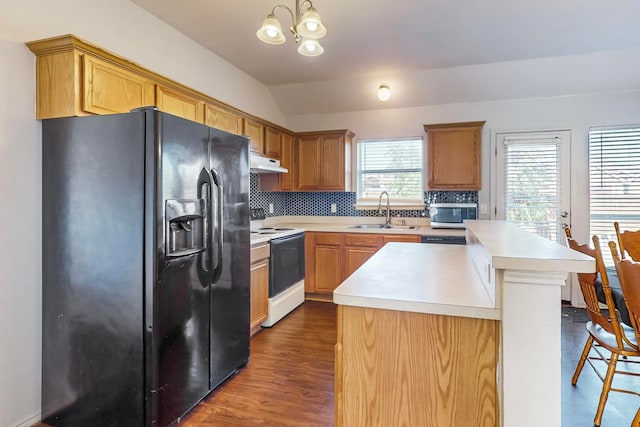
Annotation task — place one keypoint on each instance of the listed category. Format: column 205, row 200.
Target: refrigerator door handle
column 205, row 259
column 219, row 229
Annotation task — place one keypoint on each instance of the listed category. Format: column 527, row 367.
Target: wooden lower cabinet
column 259, row 285
column 396, row 368
column 332, row 257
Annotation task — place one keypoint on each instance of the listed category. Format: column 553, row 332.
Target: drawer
column 328, row 239
column 260, row 252
column 358, row 239
column 410, row 238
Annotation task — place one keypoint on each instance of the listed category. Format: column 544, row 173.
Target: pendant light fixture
column 307, row 28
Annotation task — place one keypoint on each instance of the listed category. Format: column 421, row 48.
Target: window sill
column 408, row 206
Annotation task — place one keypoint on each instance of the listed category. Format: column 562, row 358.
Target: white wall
column 576, row 113
column 20, row 237
column 123, row 28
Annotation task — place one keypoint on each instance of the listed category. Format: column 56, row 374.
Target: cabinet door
column 332, row 163
column 454, row 156
column 355, row 256
column 110, row 89
column 286, row 161
column 179, row 104
column 281, row 181
column 308, row 170
column 222, row 119
column 259, row 293
column 255, row 132
column 327, row 268
column 272, row 141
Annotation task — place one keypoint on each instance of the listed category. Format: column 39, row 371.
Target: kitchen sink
column 398, row 227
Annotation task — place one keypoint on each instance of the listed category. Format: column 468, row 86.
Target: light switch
column 483, row 209
column 270, row 207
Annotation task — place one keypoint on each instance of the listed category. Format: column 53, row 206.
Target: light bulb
column 384, row 93
column 271, row 32
column 310, row 47
column 311, row 26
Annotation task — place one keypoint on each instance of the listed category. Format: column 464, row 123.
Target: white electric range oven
column 286, row 266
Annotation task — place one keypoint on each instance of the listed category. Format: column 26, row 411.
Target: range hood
column 260, row 164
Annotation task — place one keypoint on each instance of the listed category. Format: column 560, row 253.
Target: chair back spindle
column 629, row 275
column 629, row 242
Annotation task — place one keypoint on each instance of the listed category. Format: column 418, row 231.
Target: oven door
column 286, row 265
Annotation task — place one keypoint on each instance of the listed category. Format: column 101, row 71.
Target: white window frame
column 627, row 214
column 395, row 203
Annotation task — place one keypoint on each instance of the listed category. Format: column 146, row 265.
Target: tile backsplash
column 319, row 203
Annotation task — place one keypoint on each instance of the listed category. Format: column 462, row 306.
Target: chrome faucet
column 388, row 216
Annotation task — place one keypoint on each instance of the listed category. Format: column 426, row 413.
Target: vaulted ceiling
column 425, row 49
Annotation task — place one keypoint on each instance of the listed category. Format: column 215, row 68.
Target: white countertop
column 331, row 224
column 445, row 279
column 512, row 248
column 438, row 279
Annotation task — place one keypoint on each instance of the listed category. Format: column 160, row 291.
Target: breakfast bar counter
column 454, row 335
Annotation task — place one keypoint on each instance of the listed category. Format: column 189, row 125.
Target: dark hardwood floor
column 289, row 378
column 579, row 403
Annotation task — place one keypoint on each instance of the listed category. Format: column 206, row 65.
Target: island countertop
column 455, row 280
column 423, row 278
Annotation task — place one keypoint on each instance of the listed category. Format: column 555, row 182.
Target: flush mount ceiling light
column 306, row 28
column 384, row 93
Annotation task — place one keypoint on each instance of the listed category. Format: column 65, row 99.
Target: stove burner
column 265, row 228
column 283, row 229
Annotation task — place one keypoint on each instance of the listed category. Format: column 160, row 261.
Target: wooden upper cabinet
column 272, row 142
column 282, row 181
column 179, row 104
column 109, row 89
column 308, row 172
column 324, row 161
column 220, row 118
column 255, row 131
column 454, row 156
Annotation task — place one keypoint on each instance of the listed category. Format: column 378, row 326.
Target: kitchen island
column 441, row 335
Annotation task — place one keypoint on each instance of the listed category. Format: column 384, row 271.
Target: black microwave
column 451, row 215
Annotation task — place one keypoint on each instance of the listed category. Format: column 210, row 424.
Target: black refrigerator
column 145, row 267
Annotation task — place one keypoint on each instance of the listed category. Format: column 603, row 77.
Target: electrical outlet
column 483, row 209
column 270, row 207
column 334, row 208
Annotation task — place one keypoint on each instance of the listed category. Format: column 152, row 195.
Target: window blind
column 614, row 182
column 532, row 184
column 394, row 166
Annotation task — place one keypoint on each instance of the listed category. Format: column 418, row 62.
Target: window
column 394, row 166
column 614, row 179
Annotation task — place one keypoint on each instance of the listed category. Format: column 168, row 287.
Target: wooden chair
column 629, row 242
column 607, row 336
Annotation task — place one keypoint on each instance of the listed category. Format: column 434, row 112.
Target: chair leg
column 583, row 358
column 608, row 379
